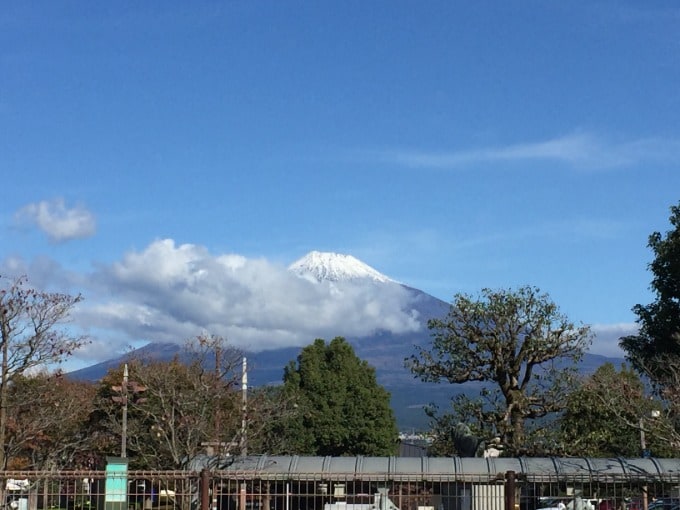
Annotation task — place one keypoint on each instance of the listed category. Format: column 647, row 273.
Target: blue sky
column 450, row 145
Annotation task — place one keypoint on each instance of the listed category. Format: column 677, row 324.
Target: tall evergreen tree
column 655, row 350
column 659, row 334
column 342, row 410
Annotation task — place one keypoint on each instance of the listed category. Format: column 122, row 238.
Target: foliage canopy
column 655, row 350
column 518, row 345
column 186, row 405
column 342, row 410
column 659, row 334
column 30, row 337
column 604, row 416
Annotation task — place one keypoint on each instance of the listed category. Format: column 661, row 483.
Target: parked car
column 552, row 503
column 664, row 504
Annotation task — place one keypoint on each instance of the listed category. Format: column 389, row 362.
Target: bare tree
column 175, row 408
column 269, row 407
column 30, row 337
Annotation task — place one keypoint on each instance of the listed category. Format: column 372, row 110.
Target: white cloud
column 580, row 150
column 58, row 221
column 170, row 292
column 607, row 338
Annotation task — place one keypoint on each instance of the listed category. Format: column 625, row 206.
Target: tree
column 659, row 321
column 268, row 408
column 663, row 371
column 655, row 351
column 521, row 348
column 46, row 429
column 186, row 406
column 342, row 410
column 30, row 337
column 604, row 417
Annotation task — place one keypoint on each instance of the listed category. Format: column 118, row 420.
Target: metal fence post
column 242, row 499
column 510, row 489
column 205, row 489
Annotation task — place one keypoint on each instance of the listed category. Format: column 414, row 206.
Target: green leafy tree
column 655, row 351
column 607, row 413
column 341, row 409
column 659, row 334
column 31, row 336
column 522, row 350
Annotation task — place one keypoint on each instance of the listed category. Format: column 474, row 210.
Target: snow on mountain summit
column 334, row 267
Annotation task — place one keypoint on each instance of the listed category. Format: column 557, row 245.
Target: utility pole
column 654, row 414
column 643, row 446
column 123, row 401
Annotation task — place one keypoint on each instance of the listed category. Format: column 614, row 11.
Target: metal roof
column 452, row 468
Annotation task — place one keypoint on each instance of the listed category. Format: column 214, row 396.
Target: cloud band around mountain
column 170, row 292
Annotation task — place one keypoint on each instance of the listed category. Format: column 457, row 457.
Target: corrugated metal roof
column 452, row 468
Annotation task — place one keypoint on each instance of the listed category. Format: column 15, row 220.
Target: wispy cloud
column 580, row 150
column 59, row 222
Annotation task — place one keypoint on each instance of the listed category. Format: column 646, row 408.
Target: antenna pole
column 244, row 410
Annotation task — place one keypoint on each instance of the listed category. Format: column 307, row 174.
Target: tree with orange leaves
column 30, row 337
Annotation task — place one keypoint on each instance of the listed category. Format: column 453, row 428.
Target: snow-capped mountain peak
column 334, row 267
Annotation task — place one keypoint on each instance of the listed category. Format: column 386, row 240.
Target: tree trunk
column 517, row 429
column 515, row 425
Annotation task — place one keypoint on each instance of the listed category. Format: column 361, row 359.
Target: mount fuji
column 384, row 347
column 335, row 267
